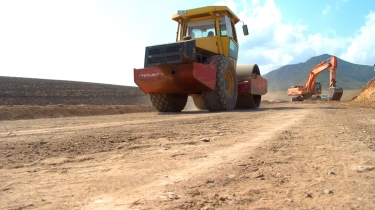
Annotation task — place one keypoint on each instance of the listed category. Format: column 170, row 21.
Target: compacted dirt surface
column 309, row 155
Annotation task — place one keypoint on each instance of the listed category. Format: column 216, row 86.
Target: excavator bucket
column 335, row 93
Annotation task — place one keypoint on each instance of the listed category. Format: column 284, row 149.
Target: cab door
column 318, row 88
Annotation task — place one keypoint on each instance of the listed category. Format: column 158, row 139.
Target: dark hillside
column 26, row 91
column 349, row 76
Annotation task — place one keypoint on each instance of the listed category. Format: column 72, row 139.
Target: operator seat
column 211, row 33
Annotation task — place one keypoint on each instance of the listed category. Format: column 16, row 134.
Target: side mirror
column 245, row 30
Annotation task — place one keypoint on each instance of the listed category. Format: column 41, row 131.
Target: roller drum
column 244, row 72
column 250, row 101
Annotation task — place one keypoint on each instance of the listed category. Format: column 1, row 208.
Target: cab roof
column 202, row 12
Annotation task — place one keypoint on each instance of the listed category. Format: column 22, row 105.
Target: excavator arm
column 329, row 63
column 332, row 72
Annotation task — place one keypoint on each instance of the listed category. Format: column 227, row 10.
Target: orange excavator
column 313, row 89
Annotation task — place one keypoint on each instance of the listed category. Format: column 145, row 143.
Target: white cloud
column 272, row 43
column 362, row 48
column 326, row 9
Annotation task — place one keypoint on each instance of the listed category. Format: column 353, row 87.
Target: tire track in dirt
column 20, row 131
column 210, row 163
column 280, row 156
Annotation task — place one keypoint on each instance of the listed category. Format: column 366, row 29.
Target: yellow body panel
column 204, row 12
column 208, row 43
column 225, row 44
column 211, row 44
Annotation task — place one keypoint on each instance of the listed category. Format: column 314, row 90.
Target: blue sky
column 103, row 41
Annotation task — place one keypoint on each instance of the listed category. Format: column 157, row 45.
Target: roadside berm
column 367, row 94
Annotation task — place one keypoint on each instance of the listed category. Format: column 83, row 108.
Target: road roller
column 202, row 64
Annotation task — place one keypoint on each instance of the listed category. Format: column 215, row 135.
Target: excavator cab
column 318, row 88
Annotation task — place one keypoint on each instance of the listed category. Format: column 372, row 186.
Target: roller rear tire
column 167, row 102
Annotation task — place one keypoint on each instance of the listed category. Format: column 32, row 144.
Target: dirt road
column 282, row 156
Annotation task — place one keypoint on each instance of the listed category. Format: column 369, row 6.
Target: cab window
column 200, row 29
column 318, row 87
column 233, row 49
column 225, row 27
